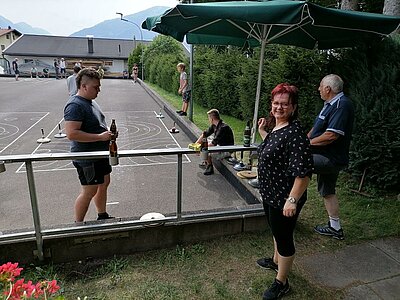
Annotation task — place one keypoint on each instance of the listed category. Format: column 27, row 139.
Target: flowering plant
column 12, row 288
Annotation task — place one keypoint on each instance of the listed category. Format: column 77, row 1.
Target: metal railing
column 80, row 229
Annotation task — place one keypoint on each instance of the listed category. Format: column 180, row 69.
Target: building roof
column 8, row 30
column 61, row 46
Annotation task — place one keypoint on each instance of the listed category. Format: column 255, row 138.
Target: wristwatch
column 292, row 199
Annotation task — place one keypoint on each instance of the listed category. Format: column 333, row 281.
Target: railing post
column 35, row 210
column 179, row 189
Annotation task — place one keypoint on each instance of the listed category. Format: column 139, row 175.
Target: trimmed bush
column 372, row 75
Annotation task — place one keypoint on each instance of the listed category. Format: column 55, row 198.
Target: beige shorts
column 220, row 155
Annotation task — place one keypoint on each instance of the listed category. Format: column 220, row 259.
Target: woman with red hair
column 284, row 170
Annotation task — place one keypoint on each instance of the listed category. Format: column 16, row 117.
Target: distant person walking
column 71, row 82
column 63, row 68
column 79, row 64
column 184, row 89
column 135, row 72
column 86, row 127
column 57, row 68
column 15, row 68
column 34, row 72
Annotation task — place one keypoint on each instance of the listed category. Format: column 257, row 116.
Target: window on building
column 108, row 63
column 3, row 47
column 7, row 36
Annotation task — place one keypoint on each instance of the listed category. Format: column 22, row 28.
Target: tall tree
column 391, row 7
column 349, row 5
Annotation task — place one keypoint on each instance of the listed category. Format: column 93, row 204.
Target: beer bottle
column 113, row 155
column 204, row 148
column 247, row 135
column 113, row 128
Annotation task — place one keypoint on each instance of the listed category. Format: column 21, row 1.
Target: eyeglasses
column 283, row 104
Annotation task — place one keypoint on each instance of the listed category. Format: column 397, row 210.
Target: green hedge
column 226, row 77
column 160, row 60
column 372, row 75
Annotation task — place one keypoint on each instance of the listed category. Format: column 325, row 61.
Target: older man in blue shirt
column 330, row 142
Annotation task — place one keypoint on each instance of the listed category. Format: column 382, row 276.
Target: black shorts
column 186, row 96
column 92, row 172
column 327, row 174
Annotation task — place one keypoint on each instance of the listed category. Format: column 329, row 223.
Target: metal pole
column 191, row 84
column 141, row 58
column 191, row 79
column 141, row 37
column 258, row 93
column 179, row 189
column 35, row 210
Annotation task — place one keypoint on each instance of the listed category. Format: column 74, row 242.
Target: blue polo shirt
column 337, row 116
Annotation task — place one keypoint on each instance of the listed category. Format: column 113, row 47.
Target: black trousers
column 282, row 228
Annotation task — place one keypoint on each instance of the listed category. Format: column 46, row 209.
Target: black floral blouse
column 284, row 155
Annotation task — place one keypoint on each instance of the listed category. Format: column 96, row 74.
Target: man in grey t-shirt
column 85, row 126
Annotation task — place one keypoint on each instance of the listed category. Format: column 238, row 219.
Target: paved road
column 139, row 185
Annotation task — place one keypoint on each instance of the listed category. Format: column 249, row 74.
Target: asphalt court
column 138, row 130
column 138, row 184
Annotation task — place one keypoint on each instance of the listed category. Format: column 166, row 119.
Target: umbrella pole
column 258, row 93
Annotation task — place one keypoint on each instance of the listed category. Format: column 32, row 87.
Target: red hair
column 293, row 92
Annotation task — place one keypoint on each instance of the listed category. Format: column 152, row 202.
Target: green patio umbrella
column 257, row 23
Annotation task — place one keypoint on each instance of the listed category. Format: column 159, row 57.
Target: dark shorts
column 327, row 174
column 92, row 172
column 62, row 70
column 16, row 72
column 186, row 96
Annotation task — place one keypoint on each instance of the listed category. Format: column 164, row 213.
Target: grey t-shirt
column 93, row 121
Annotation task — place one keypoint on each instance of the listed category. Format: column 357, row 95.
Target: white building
column 41, row 50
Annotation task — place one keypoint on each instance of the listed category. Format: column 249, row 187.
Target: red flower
column 52, row 286
column 9, row 271
column 23, row 290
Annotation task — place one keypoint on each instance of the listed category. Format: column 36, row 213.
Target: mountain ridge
column 117, row 28
column 112, row 28
column 21, row 27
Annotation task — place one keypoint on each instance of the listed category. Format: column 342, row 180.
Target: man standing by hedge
column 330, row 142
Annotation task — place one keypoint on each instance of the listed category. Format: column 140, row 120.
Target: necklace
column 280, row 126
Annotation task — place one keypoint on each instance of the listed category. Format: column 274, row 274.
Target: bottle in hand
column 113, row 149
column 113, row 127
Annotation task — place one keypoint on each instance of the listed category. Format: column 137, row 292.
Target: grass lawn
column 225, row 268
column 200, row 114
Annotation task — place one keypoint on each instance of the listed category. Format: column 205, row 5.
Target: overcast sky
column 64, row 17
